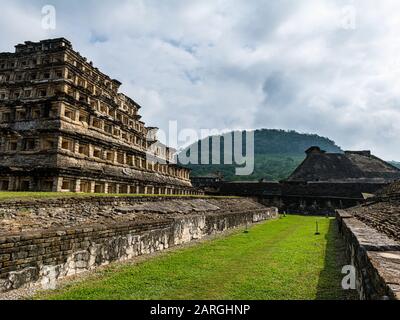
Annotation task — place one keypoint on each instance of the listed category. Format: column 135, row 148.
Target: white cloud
column 241, row 64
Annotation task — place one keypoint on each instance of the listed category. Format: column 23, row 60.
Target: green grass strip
column 280, row 259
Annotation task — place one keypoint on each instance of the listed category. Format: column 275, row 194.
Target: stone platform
column 373, row 253
column 46, row 240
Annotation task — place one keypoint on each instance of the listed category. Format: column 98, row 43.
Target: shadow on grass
column 330, row 278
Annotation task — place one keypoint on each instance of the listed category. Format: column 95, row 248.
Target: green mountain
column 277, row 154
column 395, row 163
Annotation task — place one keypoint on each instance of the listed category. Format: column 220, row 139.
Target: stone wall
column 382, row 214
column 50, row 253
column 375, row 257
column 308, row 198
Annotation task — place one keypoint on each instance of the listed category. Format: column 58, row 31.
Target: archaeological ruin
column 322, row 183
column 328, row 181
column 372, row 235
column 44, row 240
column 65, row 127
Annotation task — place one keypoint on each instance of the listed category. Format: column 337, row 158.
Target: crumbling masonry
column 65, row 127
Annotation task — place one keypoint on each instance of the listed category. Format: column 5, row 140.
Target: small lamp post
column 247, row 227
column 317, row 229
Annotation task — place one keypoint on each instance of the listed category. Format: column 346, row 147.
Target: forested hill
column 277, row 154
column 395, row 163
column 268, row 141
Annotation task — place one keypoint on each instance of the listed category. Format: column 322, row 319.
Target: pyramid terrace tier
column 64, row 126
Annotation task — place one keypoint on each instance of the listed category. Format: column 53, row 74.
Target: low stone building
column 322, row 183
column 207, row 182
column 64, row 126
column 328, row 181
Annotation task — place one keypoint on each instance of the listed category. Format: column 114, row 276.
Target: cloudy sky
column 321, row 66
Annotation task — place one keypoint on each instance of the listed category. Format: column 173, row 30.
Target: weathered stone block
column 19, row 255
column 5, row 257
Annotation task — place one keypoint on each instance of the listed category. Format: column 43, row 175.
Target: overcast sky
column 317, row 66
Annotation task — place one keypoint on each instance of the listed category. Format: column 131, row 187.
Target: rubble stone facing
column 22, row 216
column 50, row 254
column 375, row 256
column 382, row 214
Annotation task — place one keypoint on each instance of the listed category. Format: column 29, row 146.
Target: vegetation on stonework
column 277, row 154
column 51, row 195
column 279, row 259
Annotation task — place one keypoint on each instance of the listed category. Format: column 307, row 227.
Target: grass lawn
column 281, row 259
column 46, row 195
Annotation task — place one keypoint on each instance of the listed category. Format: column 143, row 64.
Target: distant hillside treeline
column 394, row 163
column 277, row 154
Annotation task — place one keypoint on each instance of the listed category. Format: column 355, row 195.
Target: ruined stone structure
column 322, row 183
column 65, row 127
column 207, row 182
column 328, row 181
column 372, row 235
column 45, row 240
